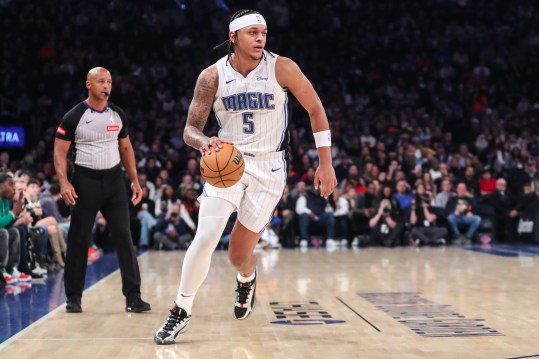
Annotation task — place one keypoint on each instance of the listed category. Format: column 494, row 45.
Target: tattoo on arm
column 205, row 90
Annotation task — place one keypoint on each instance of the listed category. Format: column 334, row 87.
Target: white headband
column 247, row 20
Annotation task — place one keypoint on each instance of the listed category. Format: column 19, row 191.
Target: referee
column 98, row 130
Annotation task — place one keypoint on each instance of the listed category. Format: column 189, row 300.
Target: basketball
column 222, row 168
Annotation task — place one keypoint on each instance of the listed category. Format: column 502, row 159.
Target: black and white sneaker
column 245, row 299
column 175, row 324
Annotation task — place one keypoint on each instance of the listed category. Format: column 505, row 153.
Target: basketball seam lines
column 218, row 168
column 226, row 165
column 226, row 174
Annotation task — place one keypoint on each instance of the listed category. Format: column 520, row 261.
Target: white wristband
column 322, row 138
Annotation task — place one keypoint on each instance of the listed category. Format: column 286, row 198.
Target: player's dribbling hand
column 67, row 193
column 325, row 179
column 214, row 142
column 137, row 193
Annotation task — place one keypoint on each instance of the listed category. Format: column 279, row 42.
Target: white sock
column 185, row 301
column 243, row 279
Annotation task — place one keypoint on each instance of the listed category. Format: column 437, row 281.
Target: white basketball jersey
column 252, row 111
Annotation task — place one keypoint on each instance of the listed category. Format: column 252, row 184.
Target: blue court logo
column 302, row 313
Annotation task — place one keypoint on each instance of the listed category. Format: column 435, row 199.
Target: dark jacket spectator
column 172, row 231
column 461, row 211
column 502, row 203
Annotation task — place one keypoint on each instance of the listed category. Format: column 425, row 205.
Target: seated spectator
column 54, row 232
column 27, row 225
column 342, row 217
column 172, row 232
column 430, row 185
column 269, row 239
column 471, row 182
column 342, row 166
column 461, row 212
column 441, row 198
column 311, row 210
column 146, row 199
column 146, row 216
column 9, row 254
column 189, row 208
column 524, row 212
column 49, row 204
column 487, row 184
column 403, row 196
column 10, row 249
column 167, row 200
column 308, row 177
column 188, row 183
column 501, row 202
column 143, row 181
column 100, row 239
column 159, row 189
column 423, row 220
column 386, row 230
column 352, row 175
column 286, row 212
column 364, row 210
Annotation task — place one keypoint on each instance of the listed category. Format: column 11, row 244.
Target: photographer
column 172, row 232
column 385, row 228
column 423, row 220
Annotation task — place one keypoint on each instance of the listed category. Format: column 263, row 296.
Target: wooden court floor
column 355, row 303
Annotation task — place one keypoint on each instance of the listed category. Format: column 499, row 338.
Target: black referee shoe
column 73, row 306
column 137, row 305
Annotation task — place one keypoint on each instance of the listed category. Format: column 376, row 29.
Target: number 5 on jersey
column 248, row 124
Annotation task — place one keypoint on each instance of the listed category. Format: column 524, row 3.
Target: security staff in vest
column 98, row 130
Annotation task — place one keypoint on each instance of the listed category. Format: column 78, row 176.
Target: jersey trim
column 285, row 136
column 93, row 109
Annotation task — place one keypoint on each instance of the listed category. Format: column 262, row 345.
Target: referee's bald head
column 99, row 83
column 95, row 72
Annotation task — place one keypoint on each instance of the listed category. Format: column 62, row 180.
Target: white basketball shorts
column 257, row 193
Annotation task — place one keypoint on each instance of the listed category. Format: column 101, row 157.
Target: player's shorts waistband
column 264, row 155
column 110, row 172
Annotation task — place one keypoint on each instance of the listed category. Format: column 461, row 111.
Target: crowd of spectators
column 433, row 108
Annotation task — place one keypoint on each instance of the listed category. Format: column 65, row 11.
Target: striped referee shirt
column 95, row 134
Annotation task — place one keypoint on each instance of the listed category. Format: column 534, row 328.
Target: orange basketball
column 222, row 168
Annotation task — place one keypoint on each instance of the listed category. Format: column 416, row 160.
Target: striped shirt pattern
column 95, row 135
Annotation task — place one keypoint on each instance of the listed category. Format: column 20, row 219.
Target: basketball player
column 248, row 92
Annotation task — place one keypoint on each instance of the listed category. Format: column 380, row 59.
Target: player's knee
column 237, row 259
